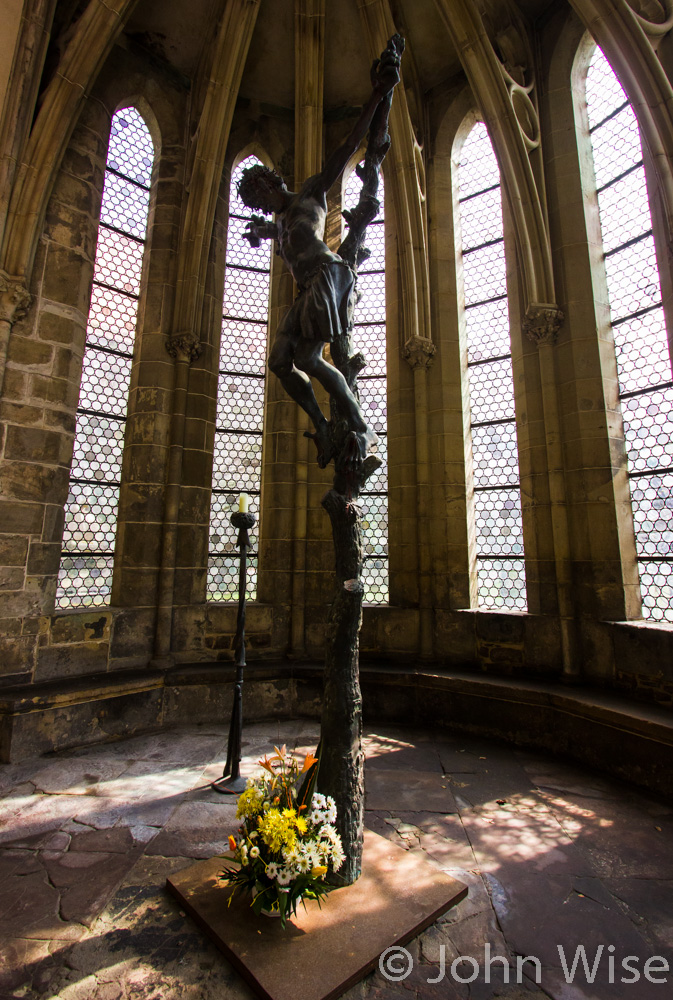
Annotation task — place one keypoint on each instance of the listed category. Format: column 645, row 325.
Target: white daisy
column 325, row 832
column 272, row 870
column 291, row 855
column 304, row 865
column 317, row 817
column 254, row 852
column 329, row 803
column 284, row 876
column 331, row 814
column 338, row 856
column 318, row 801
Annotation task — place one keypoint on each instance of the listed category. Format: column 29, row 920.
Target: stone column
column 183, row 347
column 603, row 571
column 14, row 304
column 419, row 354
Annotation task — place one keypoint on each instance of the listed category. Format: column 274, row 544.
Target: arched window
column 85, row 575
column 639, row 329
column 501, row 576
column 369, row 336
column 239, row 421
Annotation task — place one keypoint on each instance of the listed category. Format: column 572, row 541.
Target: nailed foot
column 359, row 445
column 323, row 442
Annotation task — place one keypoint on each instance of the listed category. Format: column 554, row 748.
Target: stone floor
column 555, row 856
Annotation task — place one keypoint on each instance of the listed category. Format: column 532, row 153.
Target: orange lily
column 232, row 844
column 309, row 761
column 267, row 764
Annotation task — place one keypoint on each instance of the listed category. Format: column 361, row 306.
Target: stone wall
column 583, row 620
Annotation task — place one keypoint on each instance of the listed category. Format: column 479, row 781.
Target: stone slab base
column 323, row 951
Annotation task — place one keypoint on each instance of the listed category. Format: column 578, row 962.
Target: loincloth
column 324, row 307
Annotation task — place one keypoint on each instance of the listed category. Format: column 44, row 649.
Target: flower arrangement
column 287, row 842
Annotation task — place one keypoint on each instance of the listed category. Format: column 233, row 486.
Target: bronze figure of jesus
column 324, row 306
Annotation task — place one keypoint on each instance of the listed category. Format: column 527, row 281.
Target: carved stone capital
column 15, row 298
column 542, row 322
column 184, row 346
column 418, row 352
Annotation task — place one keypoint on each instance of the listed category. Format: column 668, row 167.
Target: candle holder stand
column 231, row 782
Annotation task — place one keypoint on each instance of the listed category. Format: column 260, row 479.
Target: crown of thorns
column 250, row 185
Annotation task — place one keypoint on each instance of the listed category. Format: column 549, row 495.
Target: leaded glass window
column 85, row 575
column 369, row 336
column 237, row 466
column 501, row 579
column 639, row 328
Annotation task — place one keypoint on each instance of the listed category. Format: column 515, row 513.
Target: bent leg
column 298, row 386
column 362, row 440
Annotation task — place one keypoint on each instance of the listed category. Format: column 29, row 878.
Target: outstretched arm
column 386, row 76
column 260, row 229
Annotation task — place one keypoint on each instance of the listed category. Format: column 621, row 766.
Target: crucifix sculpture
column 322, row 313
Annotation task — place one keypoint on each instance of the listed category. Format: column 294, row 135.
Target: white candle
column 243, row 502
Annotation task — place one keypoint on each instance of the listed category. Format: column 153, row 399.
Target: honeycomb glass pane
column 243, row 347
column 371, row 301
column 498, row 531
column 131, row 150
column 91, row 508
column 484, row 273
column 375, row 242
column 624, row 210
column 97, row 454
column 91, row 518
column 494, row 451
column 656, row 584
column 240, row 403
column 105, row 382
column 223, row 578
column 487, row 328
column 641, row 345
column 502, row 584
column 647, row 429
column 478, row 168
column 84, row 581
column 481, row 219
column 239, row 251
column 223, row 561
column 373, row 403
column 641, row 348
column 491, row 390
column 246, row 295
column 379, row 481
column 112, row 320
column 619, row 143
column 237, row 465
column 633, row 279
column 652, row 499
column 125, row 206
column 119, row 261
column 498, row 517
column 369, row 337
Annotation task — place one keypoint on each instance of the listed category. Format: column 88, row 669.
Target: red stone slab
column 322, row 952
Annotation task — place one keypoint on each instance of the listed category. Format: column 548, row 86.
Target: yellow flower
column 319, row 870
column 301, row 824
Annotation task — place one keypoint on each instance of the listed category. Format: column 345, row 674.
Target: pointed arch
column 618, row 183
column 494, row 466
column 85, row 575
column 239, row 422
